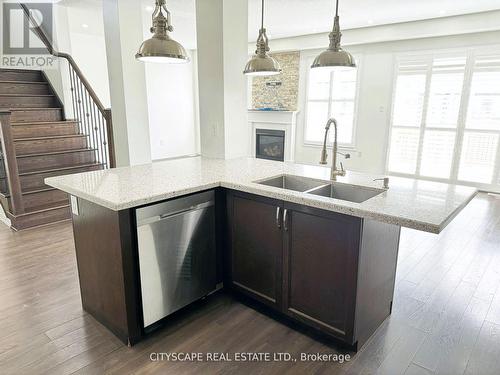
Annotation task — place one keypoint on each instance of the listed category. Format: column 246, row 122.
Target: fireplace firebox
column 270, row 144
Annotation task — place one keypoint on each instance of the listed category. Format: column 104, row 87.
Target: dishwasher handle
column 167, row 215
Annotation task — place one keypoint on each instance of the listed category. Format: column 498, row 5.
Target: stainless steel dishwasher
column 177, row 257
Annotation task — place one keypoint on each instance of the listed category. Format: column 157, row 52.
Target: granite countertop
column 417, row 204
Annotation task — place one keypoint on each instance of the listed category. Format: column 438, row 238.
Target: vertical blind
column 445, row 121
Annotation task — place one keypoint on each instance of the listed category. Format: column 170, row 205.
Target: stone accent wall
column 279, row 91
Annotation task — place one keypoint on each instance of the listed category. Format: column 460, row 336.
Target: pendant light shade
column 334, row 56
column 161, row 48
column 261, row 64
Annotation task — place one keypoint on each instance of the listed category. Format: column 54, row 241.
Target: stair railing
column 94, row 120
column 9, row 162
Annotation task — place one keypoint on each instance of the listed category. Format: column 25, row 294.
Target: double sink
column 329, row 189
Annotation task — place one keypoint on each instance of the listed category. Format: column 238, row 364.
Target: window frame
column 349, row 146
column 471, row 56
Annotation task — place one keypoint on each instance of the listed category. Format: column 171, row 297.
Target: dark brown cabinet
column 320, row 262
column 329, row 271
column 334, row 273
column 257, row 243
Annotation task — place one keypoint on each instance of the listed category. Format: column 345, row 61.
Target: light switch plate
column 74, row 205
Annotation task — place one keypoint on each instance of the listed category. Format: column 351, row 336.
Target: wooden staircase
column 37, row 142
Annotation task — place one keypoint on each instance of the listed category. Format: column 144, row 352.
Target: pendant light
column 161, row 48
column 334, row 56
column 261, row 64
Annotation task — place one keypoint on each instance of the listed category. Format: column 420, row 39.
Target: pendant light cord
column 336, row 9
column 262, row 41
column 262, row 19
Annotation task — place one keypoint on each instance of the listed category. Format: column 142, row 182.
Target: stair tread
column 57, row 152
column 47, row 207
column 43, row 117
column 75, row 166
column 51, row 137
column 37, row 190
column 20, row 109
column 26, row 95
column 34, row 191
column 25, row 82
column 19, row 70
column 44, row 122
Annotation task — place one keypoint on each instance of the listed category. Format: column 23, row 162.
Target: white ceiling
column 285, row 18
column 298, row 17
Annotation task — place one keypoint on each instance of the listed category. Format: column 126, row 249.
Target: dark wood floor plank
column 494, row 312
column 485, row 358
column 414, row 369
column 454, row 355
column 490, row 283
column 447, row 331
column 369, row 359
column 401, row 356
column 81, row 360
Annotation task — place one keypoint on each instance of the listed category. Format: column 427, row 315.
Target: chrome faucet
column 324, row 155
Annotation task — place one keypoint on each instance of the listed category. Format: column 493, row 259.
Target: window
column 446, row 119
column 331, row 94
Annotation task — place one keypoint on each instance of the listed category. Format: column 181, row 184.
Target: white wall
column 86, row 45
column 235, row 19
column 171, row 104
column 58, row 74
column 89, row 52
column 222, row 35
column 376, row 84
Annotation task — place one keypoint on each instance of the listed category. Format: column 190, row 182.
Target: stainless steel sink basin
column 295, row 183
column 357, row 194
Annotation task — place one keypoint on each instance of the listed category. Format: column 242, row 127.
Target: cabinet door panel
column 321, row 270
column 257, row 247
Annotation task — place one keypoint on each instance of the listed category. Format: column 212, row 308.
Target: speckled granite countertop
column 422, row 205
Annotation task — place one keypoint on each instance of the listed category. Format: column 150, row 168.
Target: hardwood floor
column 446, row 313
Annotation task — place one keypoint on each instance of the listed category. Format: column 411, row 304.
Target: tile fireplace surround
column 274, row 120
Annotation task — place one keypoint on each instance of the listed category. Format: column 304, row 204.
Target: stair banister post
column 10, row 161
column 111, row 141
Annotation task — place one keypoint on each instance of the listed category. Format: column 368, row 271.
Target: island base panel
column 107, row 268
column 376, row 277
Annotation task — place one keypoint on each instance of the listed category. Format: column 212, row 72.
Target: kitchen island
column 279, row 235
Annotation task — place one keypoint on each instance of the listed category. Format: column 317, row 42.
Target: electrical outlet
column 74, row 205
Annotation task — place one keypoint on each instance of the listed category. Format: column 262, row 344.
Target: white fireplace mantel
column 274, row 120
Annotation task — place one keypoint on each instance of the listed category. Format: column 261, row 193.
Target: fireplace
column 270, row 144
column 272, row 127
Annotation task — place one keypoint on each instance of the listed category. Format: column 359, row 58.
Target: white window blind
column 407, row 116
column 446, row 119
column 480, row 154
column 331, row 94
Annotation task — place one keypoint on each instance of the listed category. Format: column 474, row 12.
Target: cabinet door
column 256, row 247
column 320, row 272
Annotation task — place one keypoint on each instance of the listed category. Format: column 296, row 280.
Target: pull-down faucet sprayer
column 324, row 154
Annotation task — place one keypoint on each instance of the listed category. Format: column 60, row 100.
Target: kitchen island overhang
column 107, row 248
